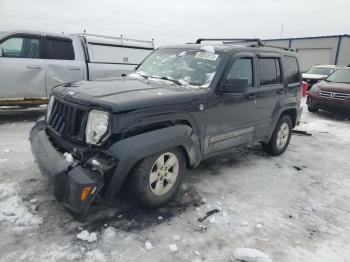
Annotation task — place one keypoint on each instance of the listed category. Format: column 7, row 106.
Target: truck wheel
column 156, row 178
column 280, row 137
column 312, row 109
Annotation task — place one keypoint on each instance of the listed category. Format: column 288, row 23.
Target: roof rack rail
column 280, row 47
column 232, row 40
column 258, row 41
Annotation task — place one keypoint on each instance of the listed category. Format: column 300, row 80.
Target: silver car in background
column 32, row 63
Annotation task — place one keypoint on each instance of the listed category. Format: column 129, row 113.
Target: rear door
column 22, row 67
column 271, row 90
column 63, row 60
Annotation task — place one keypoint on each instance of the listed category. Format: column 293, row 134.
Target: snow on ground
column 292, row 208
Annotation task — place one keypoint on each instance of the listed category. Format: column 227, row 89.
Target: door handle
column 33, row 66
column 282, row 91
column 251, row 96
column 74, row 68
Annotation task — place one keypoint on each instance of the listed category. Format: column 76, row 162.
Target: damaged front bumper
column 75, row 186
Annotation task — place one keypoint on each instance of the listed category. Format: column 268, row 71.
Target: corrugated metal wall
column 318, row 50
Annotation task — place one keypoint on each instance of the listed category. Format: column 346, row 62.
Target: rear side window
column 291, row 69
column 21, row 47
column 270, row 71
column 59, row 48
column 242, row 69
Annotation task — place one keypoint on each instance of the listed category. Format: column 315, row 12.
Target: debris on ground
column 173, row 248
column 251, row 255
column 298, row 168
column 68, row 157
column 301, row 132
column 209, row 213
column 86, row 236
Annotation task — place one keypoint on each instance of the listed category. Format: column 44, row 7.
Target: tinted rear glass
column 270, row 71
column 291, row 69
column 60, row 49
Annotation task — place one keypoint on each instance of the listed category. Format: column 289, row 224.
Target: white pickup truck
column 32, row 63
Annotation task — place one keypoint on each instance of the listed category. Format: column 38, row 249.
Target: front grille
column 68, row 120
column 334, row 95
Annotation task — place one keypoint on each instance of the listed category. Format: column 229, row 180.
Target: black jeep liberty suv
column 183, row 104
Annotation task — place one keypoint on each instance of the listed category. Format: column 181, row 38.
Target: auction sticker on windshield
column 207, row 56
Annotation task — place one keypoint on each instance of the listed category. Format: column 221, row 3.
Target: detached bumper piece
column 74, row 186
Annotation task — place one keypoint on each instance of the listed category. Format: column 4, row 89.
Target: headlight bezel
column 89, row 129
column 315, row 89
column 49, row 108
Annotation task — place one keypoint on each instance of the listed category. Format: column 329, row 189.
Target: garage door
column 314, row 56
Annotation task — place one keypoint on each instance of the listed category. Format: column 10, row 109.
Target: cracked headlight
column 49, row 108
column 96, row 127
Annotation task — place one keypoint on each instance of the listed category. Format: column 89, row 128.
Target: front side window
column 21, row 47
column 242, row 69
column 292, row 69
column 270, row 71
column 188, row 67
column 61, row 49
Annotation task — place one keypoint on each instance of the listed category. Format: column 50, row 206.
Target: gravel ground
column 295, row 207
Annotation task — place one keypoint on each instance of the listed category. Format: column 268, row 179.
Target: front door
column 231, row 117
column 22, row 69
column 63, row 63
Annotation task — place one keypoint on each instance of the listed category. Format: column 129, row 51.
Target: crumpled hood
column 334, row 87
column 123, row 94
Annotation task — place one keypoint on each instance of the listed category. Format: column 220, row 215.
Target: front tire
column 156, row 178
column 312, row 109
column 280, row 138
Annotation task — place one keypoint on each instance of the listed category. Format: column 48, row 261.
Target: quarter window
column 292, row 69
column 59, row 48
column 270, row 71
column 21, row 47
column 242, row 69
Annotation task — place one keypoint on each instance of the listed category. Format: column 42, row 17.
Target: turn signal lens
column 85, row 193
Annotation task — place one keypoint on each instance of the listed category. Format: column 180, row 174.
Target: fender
column 130, row 150
column 283, row 105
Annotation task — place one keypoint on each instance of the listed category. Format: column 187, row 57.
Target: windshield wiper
column 168, row 79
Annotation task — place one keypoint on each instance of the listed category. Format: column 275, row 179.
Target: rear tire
column 155, row 179
column 280, row 138
column 312, row 109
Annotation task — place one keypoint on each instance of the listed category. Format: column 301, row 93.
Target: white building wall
column 344, row 52
column 318, row 50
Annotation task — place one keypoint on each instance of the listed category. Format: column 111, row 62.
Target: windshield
column 340, row 76
column 320, row 70
column 186, row 67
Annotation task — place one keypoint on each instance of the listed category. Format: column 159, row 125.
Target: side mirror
column 235, row 86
